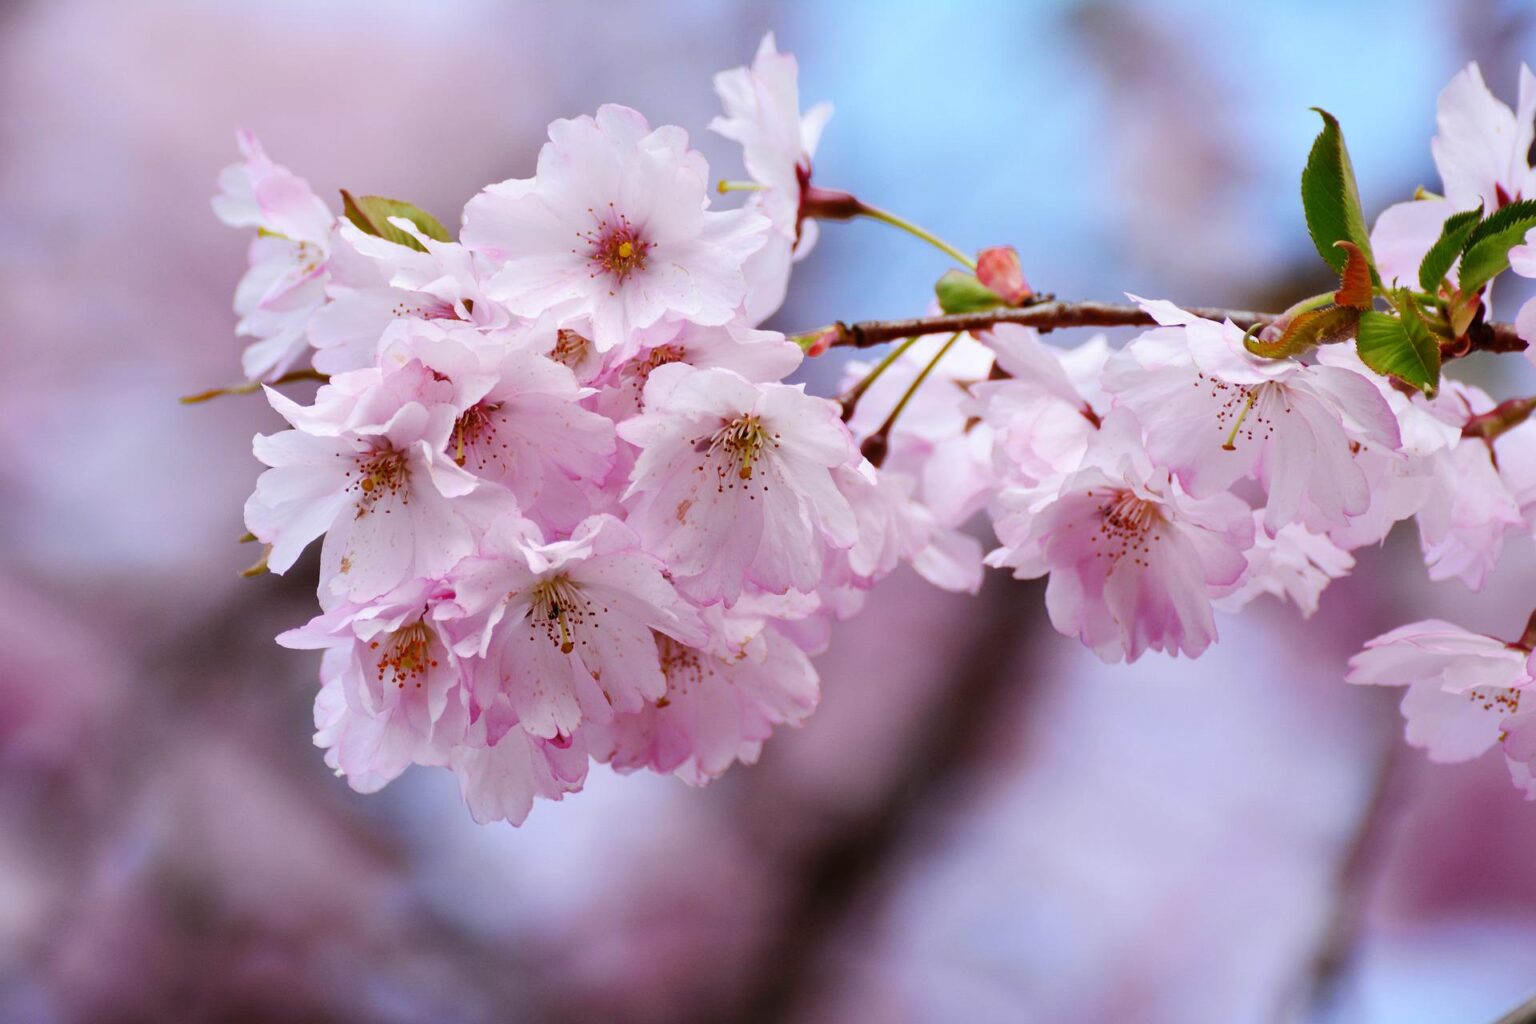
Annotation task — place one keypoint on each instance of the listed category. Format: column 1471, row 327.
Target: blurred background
column 982, row 823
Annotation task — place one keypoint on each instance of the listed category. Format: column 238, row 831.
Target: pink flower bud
column 816, row 343
column 998, row 268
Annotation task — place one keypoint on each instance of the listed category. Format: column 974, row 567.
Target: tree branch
column 1050, row 315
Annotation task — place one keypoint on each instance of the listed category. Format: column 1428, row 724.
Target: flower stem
column 875, row 446
column 850, row 401
column 875, row 213
column 250, row 387
column 1503, row 417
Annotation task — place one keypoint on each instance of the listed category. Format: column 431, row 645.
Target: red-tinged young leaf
column 1463, row 310
column 1326, row 326
column 1355, row 282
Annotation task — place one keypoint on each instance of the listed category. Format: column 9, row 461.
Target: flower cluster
column 571, row 510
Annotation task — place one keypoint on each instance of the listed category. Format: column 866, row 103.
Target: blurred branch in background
column 840, row 870
column 1319, row 989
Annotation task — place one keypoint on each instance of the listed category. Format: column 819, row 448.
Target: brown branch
column 1049, row 316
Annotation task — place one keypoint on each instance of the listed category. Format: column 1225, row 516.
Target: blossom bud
column 999, row 269
column 816, row 343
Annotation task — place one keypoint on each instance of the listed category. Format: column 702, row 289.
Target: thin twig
column 1049, row 316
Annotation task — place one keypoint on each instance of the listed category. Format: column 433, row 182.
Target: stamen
column 561, row 607
column 639, row 369
column 615, row 246
column 571, row 348
column 380, row 474
column 1230, row 444
column 742, row 440
column 1127, row 526
column 680, row 665
column 1495, row 698
column 407, row 655
column 474, row 430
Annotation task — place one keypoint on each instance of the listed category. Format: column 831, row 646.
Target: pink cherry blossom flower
column 1482, row 150
column 500, row 780
column 762, row 113
column 565, row 627
column 1046, row 412
column 1479, row 493
column 734, row 485
column 519, row 421
column 1215, row 414
column 1294, row 565
column 1400, row 482
column 759, row 356
column 1133, row 561
column 615, row 226
column 722, row 701
column 391, row 693
column 285, row 284
column 375, row 282
column 1463, row 520
column 1463, row 688
column 894, row 527
column 366, row 466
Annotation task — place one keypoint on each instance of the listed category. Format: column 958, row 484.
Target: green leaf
column 371, row 215
column 1487, row 250
column 960, row 292
column 1331, row 199
column 1400, row 347
column 1453, row 238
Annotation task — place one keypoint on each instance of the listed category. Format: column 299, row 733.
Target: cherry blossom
column 375, row 282
column 1047, row 411
column 1133, row 560
column 1215, row 414
column 391, row 688
column 1482, row 150
column 762, row 114
column 1295, row 565
column 1464, row 690
column 565, row 626
column 500, row 780
column 1400, row 482
column 894, row 527
column 381, row 487
column 722, row 701
column 519, row 423
column 734, row 483
column 937, row 442
column 285, row 284
column 615, row 226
